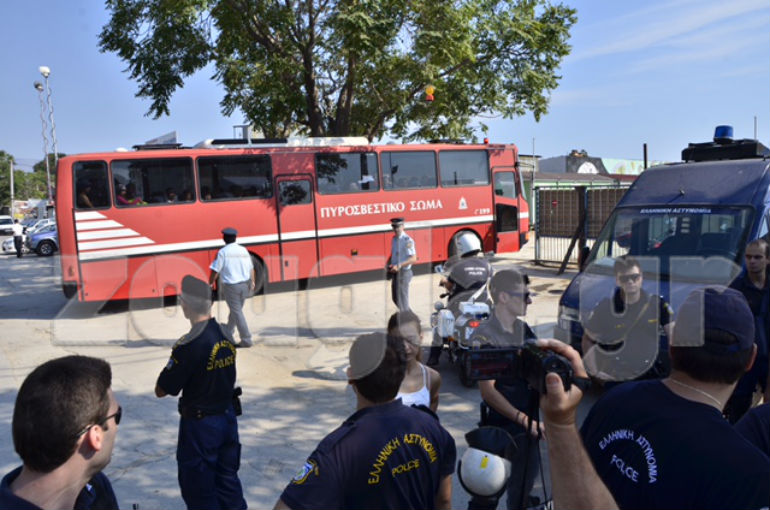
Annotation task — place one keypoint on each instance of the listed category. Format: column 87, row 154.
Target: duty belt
column 196, row 414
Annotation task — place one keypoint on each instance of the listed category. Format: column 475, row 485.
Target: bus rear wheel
column 260, row 281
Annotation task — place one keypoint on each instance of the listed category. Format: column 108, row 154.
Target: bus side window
column 91, row 185
column 346, row 173
column 409, row 170
column 235, row 177
column 464, row 168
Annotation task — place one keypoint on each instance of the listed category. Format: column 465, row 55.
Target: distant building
column 579, row 162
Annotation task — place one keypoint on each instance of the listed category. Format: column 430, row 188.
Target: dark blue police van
column 686, row 223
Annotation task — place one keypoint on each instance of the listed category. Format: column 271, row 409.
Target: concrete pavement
column 293, row 379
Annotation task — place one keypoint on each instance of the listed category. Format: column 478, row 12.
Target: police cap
column 366, row 354
column 229, row 231
column 195, row 290
column 396, row 222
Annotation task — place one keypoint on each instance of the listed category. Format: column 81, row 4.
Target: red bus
column 133, row 223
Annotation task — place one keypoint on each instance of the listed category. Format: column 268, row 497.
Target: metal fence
column 558, row 217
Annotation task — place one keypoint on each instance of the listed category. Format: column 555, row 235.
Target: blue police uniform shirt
column 96, row 495
column 759, row 302
column 516, row 391
column 384, row 456
column 469, row 273
column 755, row 426
column 233, row 263
column 401, row 249
column 202, row 367
column 654, row 449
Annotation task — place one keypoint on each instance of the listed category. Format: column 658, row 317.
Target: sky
column 660, row 72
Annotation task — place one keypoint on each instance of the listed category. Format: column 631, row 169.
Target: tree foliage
column 27, row 185
column 349, row 67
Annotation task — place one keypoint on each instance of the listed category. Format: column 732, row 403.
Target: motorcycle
column 454, row 322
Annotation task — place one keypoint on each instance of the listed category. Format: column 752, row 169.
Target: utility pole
column 11, row 167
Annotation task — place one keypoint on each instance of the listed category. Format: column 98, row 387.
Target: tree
column 342, row 67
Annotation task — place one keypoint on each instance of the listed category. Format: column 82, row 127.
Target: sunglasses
column 625, row 278
column 117, row 415
column 524, row 295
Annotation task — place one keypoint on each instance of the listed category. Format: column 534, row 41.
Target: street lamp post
column 45, row 71
column 39, row 88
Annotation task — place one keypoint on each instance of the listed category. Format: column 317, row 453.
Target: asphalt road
column 293, row 379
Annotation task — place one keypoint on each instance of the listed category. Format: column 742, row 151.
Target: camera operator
column 575, row 483
column 508, row 400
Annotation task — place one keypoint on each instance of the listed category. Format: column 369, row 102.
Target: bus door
column 297, row 231
column 507, row 190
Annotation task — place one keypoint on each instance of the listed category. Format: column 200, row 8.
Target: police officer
column 509, row 400
column 18, row 237
column 202, row 367
column 402, row 256
column 621, row 339
column 237, row 279
column 385, row 455
column 466, row 275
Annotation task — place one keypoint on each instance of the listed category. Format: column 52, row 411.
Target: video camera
column 527, row 362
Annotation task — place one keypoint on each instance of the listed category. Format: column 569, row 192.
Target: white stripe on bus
column 524, row 215
column 114, row 243
column 89, row 215
column 165, row 248
column 106, row 234
column 96, row 225
column 286, row 236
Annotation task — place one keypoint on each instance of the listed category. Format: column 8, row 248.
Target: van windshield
column 674, row 241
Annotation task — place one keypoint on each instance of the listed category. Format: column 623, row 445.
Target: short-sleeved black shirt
column 656, row 450
column 202, row 367
column 516, row 391
column 759, row 301
column 470, row 273
column 96, row 495
column 385, row 456
column 629, row 337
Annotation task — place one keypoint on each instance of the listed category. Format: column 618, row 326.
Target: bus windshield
column 669, row 241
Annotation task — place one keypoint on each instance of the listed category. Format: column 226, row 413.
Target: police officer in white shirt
column 402, row 256
column 18, row 237
column 237, row 279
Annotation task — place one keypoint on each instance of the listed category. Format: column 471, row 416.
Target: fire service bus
column 133, row 223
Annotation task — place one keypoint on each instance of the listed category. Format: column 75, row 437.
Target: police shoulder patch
column 310, row 467
column 170, row 363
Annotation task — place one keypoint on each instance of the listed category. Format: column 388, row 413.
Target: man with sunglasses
column 621, row 334
column 65, row 421
column 754, row 284
column 508, row 402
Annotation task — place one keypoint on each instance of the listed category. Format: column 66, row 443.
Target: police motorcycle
column 466, row 306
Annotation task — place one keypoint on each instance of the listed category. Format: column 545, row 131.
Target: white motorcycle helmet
column 483, row 473
column 467, row 244
column 486, row 465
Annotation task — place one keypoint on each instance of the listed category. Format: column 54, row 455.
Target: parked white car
column 6, row 225
column 8, row 246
